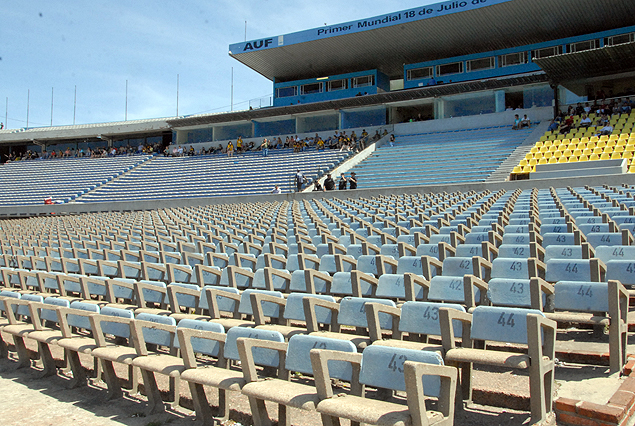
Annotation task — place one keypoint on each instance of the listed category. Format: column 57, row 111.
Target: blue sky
column 98, row 45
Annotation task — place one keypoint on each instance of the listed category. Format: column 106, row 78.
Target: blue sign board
column 404, row 16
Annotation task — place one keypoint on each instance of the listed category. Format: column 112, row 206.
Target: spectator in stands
column 585, row 121
column 553, row 126
column 279, row 144
column 230, row 149
column 352, row 181
column 318, row 187
column 329, row 184
column 392, row 140
column 239, row 144
column 191, row 151
column 627, row 106
column 320, row 144
column 566, row 125
column 299, row 180
column 606, row 130
column 343, row 182
column 525, row 122
column 1, row 126
column 587, row 108
column 264, row 146
column 376, row 136
column 276, row 190
column 516, row 124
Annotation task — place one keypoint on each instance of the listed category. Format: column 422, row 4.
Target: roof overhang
column 572, row 69
column 492, row 25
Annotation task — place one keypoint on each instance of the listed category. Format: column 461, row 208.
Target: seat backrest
column 468, row 250
column 262, row 356
column 503, row 267
column 515, row 251
column 409, row 264
column 367, row 263
column 423, row 318
column 501, row 324
column 457, row 266
column 294, row 309
column 558, row 239
column 597, row 239
column 300, row 346
column 563, row 252
column 202, row 346
column 156, row 336
column 225, row 304
column 268, row 309
column 115, row 328
column 606, row 253
column 50, row 314
column 382, row 366
column 81, row 320
column 621, row 270
column 353, row 312
column 581, row 296
column 568, row 270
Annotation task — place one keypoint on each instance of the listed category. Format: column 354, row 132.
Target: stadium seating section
column 582, row 144
column 440, row 157
column 302, row 283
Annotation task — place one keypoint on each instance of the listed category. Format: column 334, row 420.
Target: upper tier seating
column 30, row 182
column 443, row 157
column 214, row 175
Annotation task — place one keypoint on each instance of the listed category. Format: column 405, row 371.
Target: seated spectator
column 566, row 125
column 553, row 126
column 320, row 144
column 276, row 190
column 525, row 122
column 587, row 108
column 392, row 140
column 516, row 124
column 329, row 183
column 318, row 187
column 376, row 136
column 606, row 130
column 585, row 121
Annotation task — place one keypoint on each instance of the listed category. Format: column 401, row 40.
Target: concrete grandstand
column 456, row 211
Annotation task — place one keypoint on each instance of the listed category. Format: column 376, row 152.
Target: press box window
column 547, row 52
column 337, row 85
column 419, row 73
column 619, row 39
column 367, row 80
column 285, row 92
column 512, row 59
column 447, row 69
column 583, row 45
column 309, row 89
column 480, row 64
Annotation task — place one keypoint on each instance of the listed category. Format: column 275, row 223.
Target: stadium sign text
column 258, row 44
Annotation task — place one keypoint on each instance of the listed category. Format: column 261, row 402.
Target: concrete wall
column 473, row 121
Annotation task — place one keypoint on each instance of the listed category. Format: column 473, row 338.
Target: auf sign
column 258, row 44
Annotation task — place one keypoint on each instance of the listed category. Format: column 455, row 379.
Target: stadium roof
column 387, row 42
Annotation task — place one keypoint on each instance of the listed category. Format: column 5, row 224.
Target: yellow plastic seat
column 549, row 142
column 573, row 159
column 627, row 154
column 587, row 151
column 542, row 139
column 611, row 142
column 631, row 169
column 613, row 137
column 544, row 149
column 583, row 157
column 533, row 162
column 577, row 152
column 616, row 156
column 563, row 160
column 598, row 150
column 553, row 148
column 542, row 161
column 538, row 155
column 619, row 148
column 575, row 140
column 594, row 139
column 605, row 156
column 604, row 138
column 622, row 142
column 567, row 153
column 557, row 154
column 584, row 139
column 534, row 150
column 594, row 157
column 609, row 149
column 517, row 170
column 553, row 160
column 602, row 142
column 582, row 145
column 526, row 169
column 547, row 155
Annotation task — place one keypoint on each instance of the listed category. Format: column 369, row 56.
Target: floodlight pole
column 232, row 91
column 52, row 89
column 28, row 96
column 177, row 95
column 126, row 116
column 75, row 105
column 6, row 114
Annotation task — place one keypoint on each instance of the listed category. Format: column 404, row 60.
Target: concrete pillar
column 499, row 96
column 439, row 108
